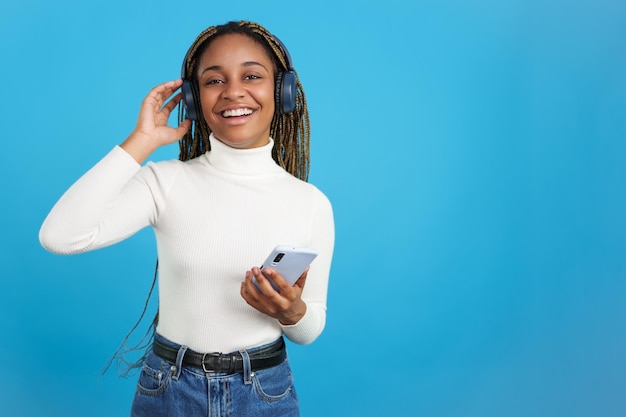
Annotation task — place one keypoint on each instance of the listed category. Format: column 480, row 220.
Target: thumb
column 302, row 280
column 183, row 128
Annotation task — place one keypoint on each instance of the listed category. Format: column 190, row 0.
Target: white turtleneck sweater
column 214, row 217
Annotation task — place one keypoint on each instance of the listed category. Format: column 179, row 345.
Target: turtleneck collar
column 252, row 161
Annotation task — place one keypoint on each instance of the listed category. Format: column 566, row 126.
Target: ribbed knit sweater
column 214, row 217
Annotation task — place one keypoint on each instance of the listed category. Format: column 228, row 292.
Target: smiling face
column 236, row 85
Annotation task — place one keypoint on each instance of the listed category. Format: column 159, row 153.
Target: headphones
column 284, row 90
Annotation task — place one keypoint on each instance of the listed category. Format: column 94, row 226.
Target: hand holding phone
column 289, row 261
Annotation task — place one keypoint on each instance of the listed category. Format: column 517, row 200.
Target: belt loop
column 179, row 362
column 247, row 368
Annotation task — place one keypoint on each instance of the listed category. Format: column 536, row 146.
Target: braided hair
column 290, row 132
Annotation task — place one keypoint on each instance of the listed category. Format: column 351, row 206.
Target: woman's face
column 236, row 84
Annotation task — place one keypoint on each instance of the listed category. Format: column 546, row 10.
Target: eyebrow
column 245, row 64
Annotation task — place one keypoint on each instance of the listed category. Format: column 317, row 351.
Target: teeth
column 236, row 112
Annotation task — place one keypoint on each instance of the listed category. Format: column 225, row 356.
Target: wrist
column 295, row 317
column 138, row 146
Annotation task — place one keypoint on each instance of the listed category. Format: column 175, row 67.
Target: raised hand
column 151, row 130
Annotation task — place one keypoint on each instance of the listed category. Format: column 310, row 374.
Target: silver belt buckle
column 204, row 356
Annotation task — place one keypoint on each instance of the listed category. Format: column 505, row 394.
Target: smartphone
column 289, row 261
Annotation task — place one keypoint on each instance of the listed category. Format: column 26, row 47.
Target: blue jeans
column 169, row 389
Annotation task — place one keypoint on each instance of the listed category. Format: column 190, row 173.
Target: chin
column 242, row 142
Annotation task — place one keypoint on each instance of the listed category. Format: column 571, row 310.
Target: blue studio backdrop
column 474, row 153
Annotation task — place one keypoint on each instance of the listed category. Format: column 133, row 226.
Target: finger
column 183, row 128
column 162, row 115
column 255, row 298
column 171, row 105
column 248, row 290
column 250, row 284
column 264, row 286
column 302, row 280
column 278, row 280
column 163, row 91
column 273, row 300
column 258, row 287
column 169, row 86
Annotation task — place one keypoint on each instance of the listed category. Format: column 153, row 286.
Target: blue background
column 474, row 153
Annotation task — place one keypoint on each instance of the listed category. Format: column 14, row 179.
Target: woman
column 237, row 191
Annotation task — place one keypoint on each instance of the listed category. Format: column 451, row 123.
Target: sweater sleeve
column 103, row 207
column 315, row 290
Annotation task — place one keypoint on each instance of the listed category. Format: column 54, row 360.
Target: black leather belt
column 267, row 357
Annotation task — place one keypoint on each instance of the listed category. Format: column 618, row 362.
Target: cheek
column 269, row 99
column 272, row 104
column 207, row 100
column 265, row 93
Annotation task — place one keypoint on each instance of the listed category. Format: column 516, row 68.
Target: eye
column 252, row 77
column 213, row 81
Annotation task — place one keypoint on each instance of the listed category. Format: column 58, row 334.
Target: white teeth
column 236, row 112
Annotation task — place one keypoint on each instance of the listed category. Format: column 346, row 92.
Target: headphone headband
column 283, row 48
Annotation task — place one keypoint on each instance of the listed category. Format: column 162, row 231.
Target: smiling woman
column 238, row 190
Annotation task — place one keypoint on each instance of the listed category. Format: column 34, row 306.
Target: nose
column 233, row 90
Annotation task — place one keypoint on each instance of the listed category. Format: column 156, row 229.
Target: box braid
column 289, row 131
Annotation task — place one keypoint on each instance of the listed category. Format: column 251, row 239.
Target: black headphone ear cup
column 278, row 88
column 189, row 100
column 286, row 92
